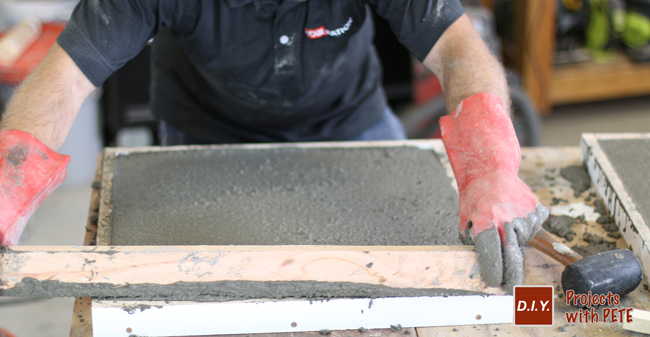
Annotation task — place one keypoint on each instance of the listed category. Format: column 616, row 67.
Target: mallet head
column 616, row 271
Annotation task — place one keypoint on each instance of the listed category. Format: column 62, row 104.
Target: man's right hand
column 498, row 212
column 29, row 172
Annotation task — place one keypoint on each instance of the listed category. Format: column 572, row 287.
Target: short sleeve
column 102, row 35
column 418, row 24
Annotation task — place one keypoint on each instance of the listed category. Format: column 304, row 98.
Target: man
column 273, row 71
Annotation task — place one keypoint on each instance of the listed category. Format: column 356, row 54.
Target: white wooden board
column 115, row 319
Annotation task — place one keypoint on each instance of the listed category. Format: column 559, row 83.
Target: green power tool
column 636, row 34
column 605, row 27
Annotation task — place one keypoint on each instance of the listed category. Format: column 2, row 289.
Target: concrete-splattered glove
column 498, row 212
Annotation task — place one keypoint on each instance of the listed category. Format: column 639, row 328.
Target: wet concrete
column 604, row 219
column 285, row 196
column 592, row 249
column 596, row 239
column 579, row 178
column 597, row 244
column 491, row 251
column 561, row 226
column 607, row 223
column 220, row 291
column 488, row 251
column 600, row 208
column 630, row 158
column 614, row 235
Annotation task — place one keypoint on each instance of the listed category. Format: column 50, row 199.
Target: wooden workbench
column 540, row 169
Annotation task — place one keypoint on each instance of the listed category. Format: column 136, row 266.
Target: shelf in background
column 531, row 53
column 590, row 81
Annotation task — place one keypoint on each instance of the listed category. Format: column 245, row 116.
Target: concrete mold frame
column 173, row 318
column 618, row 200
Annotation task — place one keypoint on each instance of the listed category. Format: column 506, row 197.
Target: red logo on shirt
column 317, row 33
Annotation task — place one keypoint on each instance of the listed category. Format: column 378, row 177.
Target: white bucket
column 12, row 11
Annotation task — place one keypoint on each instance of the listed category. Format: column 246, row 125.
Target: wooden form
column 331, row 261
column 619, row 203
column 540, row 170
column 82, row 321
column 640, row 322
column 162, row 319
column 413, row 267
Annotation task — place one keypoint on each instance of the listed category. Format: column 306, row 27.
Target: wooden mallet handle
column 549, row 245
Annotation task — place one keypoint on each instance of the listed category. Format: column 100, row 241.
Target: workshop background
column 573, row 65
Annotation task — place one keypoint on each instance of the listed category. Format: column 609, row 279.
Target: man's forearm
column 465, row 66
column 47, row 102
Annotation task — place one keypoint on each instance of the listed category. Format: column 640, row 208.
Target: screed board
column 324, row 194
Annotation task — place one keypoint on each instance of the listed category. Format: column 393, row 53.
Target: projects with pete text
column 587, row 314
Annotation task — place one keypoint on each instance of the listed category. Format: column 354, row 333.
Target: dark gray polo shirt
column 255, row 70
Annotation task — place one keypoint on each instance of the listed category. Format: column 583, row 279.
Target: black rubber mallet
column 616, row 271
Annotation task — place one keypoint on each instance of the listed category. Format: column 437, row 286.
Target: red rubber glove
column 5, row 333
column 29, row 172
column 498, row 212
